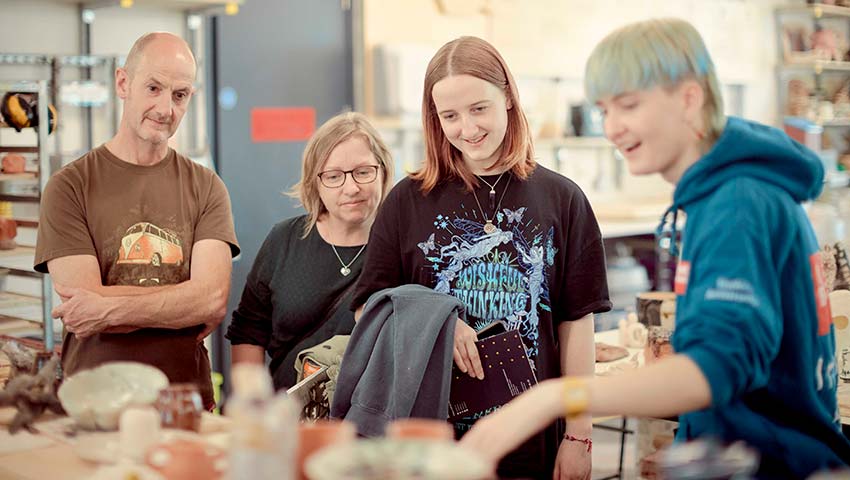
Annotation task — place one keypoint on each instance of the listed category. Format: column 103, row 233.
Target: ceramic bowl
column 95, row 398
column 396, row 459
column 105, row 447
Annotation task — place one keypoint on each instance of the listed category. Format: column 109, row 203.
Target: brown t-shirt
column 141, row 223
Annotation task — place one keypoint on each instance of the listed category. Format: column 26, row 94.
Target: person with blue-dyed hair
column 754, row 348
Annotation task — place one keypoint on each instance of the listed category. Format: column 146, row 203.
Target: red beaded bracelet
column 585, row 441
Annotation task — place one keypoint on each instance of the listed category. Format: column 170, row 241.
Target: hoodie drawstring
column 659, row 232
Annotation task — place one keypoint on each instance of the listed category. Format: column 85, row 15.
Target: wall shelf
column 23, row 59
column 817, row 11
column 20, row 307
column 22, row 316
column 11, row 177
column 5, row 197
column 20, row 261
column 16, row 149
column 817, row 67
column 27, row 222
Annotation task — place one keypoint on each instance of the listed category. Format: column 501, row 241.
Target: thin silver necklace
column 492, row 188
column 488, row 222
column 345, row 270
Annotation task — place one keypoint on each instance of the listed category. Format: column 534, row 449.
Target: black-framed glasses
column 361, row 175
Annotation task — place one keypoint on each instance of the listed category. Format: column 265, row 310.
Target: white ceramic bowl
column 95, row 398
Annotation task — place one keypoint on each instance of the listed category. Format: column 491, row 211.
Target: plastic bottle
column 264, row 430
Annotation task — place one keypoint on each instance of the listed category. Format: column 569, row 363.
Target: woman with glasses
column 298, row 292
column 514, row 241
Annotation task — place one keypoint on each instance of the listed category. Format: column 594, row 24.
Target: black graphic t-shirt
column 542, row 264
column 288, row 296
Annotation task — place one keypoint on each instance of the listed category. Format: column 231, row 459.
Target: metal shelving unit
column 802, row 65
column 63, row 73
column 20, row 261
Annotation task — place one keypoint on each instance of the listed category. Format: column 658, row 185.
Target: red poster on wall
column 291, row 124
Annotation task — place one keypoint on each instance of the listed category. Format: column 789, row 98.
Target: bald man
column 137, row 238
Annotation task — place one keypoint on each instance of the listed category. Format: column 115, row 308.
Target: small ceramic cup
column 658, row 344
column 315, row 436
column 420, row 428
column 138, row 429
column 180, row 406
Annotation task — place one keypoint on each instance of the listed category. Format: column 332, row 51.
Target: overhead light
column 231, row 8
column 126, row 3
column 88, row 16
column 194, row 22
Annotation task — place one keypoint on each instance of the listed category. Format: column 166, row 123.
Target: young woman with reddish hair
column 513, row 240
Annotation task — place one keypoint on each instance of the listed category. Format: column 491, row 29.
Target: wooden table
column 49, row 454
column 612, row 337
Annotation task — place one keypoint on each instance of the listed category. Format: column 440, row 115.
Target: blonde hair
column 471, row 56
column 658, row 52
column 333, row 132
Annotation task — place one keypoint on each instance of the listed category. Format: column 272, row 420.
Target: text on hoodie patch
column 821, row 295
column 683, row 272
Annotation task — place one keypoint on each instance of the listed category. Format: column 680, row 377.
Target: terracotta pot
column 426, row 428
column 13, row 163
column 313, row 437
column 186, row 460
column 8, row 232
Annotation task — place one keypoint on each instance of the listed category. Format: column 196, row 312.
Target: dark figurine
column 20, row 358
column 32, row 395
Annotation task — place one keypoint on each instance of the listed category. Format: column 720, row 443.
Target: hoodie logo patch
column 821, row 295
column 683, row 273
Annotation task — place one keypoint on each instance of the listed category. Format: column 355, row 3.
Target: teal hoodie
column 752, row 310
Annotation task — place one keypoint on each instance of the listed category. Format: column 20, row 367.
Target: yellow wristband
column 576, row 396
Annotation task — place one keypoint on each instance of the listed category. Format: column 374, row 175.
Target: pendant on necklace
column 345, row 270
column 489, row 227
column 492, row 199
